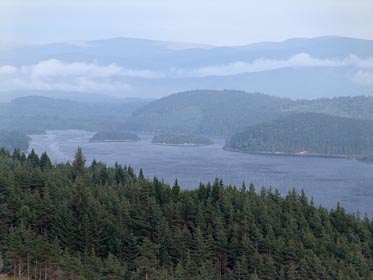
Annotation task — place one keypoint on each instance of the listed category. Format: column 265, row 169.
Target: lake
column 327, row 180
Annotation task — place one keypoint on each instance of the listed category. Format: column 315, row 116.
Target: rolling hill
column 226, row 112
column 206, row 112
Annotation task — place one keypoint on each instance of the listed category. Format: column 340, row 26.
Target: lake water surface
column 327, row 180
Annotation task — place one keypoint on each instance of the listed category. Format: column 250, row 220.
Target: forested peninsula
column 308, row 134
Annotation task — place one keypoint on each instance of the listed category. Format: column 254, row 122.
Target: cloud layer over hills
column 153, row 69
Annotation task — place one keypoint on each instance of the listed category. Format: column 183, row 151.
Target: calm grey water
column 327, row 180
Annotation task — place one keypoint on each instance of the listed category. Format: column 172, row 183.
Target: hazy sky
column 220, row 22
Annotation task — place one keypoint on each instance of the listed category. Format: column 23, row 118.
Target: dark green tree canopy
column 71, row 221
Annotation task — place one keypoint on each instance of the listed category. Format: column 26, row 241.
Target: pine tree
column 78, row 163
column 175, row 191
column 45, row 162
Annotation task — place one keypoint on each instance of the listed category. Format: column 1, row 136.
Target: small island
column 181, row 140
column 114, row 136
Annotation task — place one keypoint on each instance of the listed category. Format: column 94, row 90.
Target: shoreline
column 110, row 141
column 297, row 155
column 181, row 145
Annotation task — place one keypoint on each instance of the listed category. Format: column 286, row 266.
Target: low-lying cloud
column 7, row 70
column 363, row 77
column 297, row 61
column 56, row 68
column 79, row 84
column 53, row 74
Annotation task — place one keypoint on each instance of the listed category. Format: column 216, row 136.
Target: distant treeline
column 71, row 221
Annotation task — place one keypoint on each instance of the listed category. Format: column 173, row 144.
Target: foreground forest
column 69, row 221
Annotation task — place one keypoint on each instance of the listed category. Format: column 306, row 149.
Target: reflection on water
column 327, row 180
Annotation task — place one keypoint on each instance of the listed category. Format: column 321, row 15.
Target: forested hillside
column 227, row 112
column 35, row 114
column 207, row 112
column 307, row 133
column 68, row 221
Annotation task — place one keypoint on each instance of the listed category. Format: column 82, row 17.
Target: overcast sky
column 218, row 22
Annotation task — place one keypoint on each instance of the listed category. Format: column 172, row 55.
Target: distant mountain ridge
column 297, row 68
column 136, row 51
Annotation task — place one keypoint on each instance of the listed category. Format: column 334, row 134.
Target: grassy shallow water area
column 181, row 140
